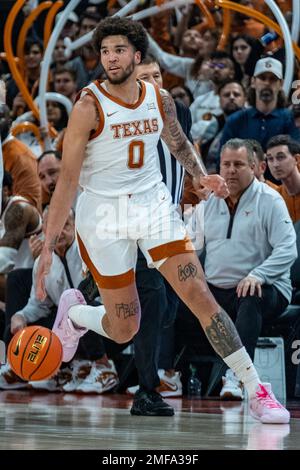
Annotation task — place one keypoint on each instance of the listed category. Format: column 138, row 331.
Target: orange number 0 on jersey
column 136, row 154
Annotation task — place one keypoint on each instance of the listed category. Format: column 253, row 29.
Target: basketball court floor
column 48, row 421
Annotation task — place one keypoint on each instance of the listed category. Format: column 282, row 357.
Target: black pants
column 18, row 287
column 167, row 343
column 153, row 299
column 250, row 312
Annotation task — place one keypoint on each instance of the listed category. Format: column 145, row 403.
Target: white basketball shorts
column 109, row 231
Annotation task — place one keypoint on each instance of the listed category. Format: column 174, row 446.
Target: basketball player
column 111, row 144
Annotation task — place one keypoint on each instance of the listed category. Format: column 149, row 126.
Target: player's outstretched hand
column 216, row 184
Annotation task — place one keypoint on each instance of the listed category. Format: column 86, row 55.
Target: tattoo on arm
column 177, row 141
column 128, row 310
column 51, row 245
column 16, row 221
column 187, row 271
column 223, row 335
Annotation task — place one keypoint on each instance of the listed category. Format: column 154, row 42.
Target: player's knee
column 197, row 290
column 200, row 299
column 126, row 333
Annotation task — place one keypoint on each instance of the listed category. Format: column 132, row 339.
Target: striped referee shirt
column 172, row 171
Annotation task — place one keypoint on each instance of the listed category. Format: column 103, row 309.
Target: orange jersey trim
column 118, row 100
column 105, row 282
column 100, row 127
column 171, row 249
column 160, row 103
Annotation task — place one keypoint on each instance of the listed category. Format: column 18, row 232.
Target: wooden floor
column 31, row 420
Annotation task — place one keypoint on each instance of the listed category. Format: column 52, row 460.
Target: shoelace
column 267, row 400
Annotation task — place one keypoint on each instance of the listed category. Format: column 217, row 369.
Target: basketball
column 35, row 353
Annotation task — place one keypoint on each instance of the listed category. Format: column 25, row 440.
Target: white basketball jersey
column 121, row 156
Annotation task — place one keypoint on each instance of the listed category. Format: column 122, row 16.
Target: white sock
column 242, row 365
column 89, row 317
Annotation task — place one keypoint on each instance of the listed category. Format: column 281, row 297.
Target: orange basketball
column 35, row 353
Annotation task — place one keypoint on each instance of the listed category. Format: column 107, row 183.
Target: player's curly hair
column 113, row 26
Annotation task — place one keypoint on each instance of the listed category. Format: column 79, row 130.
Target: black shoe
column 89, row 289
column 150, row 404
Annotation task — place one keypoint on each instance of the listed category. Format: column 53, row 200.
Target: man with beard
column 232, row 98
column 49, row 163
column 207, row 106
column 111, row 145
column 250, row 247
column 267, row 115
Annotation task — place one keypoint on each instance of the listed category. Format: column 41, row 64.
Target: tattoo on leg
column 128, row 310
column 222, row 334
column 189, row 270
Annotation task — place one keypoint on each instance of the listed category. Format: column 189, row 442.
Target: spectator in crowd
column 242, row 24
column 59, row 58
column 57, row 117
column 232, row 98
column 95, row 373
column 245, row 51
column 259, row 161
column 71, row 27
column 183, row 94
column 283, row 154
column 19, row 161
column 207, row 106
column 190, row 69
column 19, row 220
column 296, row 113
column 267, row 115
column 49, row 164
column 33, row 54
column 86, row 65
column 64, row 82
column 191, row 43
column 250, row 245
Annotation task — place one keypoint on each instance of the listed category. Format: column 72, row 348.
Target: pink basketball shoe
column 265, row 407
column 64, row 328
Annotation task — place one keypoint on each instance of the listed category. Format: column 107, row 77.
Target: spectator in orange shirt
column 19, row 161
column 283, row 154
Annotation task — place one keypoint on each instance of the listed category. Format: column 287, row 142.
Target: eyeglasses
column 217, row 65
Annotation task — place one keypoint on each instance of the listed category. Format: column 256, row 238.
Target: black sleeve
column 185, row 118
